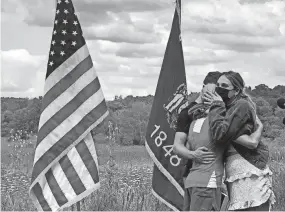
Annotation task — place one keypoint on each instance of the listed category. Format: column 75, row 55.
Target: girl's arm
column 251, row 141
column 227, row 126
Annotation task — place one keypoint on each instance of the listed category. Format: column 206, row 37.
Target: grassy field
column 125, row 186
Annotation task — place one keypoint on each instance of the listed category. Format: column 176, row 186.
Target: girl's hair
column 236, row 80
column 247, row 97
column 239, row 84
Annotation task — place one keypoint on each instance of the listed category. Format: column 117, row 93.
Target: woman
column 232, row 114
column 214, row 163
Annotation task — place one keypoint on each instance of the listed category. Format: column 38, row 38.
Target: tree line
column 127, row 122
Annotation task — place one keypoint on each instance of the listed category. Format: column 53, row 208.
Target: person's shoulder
column 242, row 101
column 243, row 104
column 183, row 113
column 184, row 120
column 186, row 109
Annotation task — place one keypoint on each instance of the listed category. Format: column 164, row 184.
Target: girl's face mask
column 225, row 89
column 224, row 93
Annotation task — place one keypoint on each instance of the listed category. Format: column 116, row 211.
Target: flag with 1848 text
column 170, row 98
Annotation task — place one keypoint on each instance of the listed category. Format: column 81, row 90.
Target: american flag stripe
column 73, row 136
column 60, row 129
column 63, row 182
column 55, row 189
column 65, row 113
column 38, row 192
column 67, row 81
column 91, row 147
column 48, row 194
column 79, row 166
column 55, row 192
column 67, row 96
column 65, row 68
column 65, row 163
column 72, row 175
column 88, row 161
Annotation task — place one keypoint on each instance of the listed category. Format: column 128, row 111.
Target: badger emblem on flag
column 176, row 103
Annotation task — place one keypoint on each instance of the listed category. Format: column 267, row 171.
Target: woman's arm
column 225, row 126
column 251, row 141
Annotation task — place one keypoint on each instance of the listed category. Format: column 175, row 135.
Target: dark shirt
column 184, row 120
column 183, row 125
column 227, row 124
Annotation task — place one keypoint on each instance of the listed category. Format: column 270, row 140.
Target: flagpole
column 178, row 7
column 78, row 206
column 178, row 10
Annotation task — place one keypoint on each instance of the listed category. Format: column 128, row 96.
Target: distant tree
column 6, row 120
column 262, row 87
column 34, row 110
column 272, row 102
column 27, row 119
column 4, row 106
column 7, row 116
column 118, row 97
column 280, row 89
column 13, row 105
column 132, row 123
column 115, row 105
column 129, row 116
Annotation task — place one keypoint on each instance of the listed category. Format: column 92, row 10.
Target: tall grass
column 125, row 176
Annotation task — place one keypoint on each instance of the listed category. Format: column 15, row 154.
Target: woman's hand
column 202, row 155
column 209, row 98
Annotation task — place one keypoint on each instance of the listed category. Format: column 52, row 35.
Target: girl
column 232, row 114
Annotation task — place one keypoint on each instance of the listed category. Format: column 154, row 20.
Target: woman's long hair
column 239, row 85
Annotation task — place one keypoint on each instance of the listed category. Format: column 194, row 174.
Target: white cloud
column 119, row 33
column 127, row 41
column 20, row 73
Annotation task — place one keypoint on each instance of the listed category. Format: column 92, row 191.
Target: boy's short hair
column 212, row 77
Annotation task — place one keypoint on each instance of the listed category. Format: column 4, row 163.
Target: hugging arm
column 224, row 125
column 251, row 141
column 201, row 155
column 179, row 147
column 180, row 141
column 183, row 124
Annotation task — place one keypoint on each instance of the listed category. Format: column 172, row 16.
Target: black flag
column 170, row 98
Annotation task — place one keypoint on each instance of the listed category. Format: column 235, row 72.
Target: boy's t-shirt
column 183, row 125
column 184, row 120
column 204, row 175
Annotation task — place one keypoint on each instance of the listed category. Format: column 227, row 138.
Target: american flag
column 65, row 167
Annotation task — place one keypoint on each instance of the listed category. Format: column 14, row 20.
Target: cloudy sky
column 127, row 40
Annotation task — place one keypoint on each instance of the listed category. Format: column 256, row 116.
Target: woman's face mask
column 225, row 89
column 223, row 92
